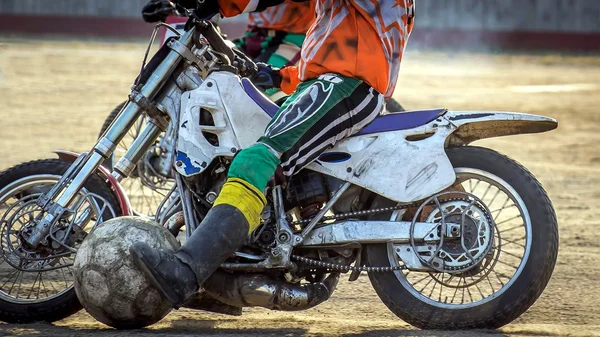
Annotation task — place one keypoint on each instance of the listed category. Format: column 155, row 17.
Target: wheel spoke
column 476, row 286
column 511, row 254
column 476, row 184
column 498, row 277
column 433, row 288
column 421, row 280
column 507, row 264
column 462, row 300
column 486, row 192
column 441, row 286
column 469, row 292
column 15, row 272
column 490, row 282
column 42, row 284
column 456, row 289
column 430, row 280
column 507, row 220
column 63, row 274
column 501, row 209
column 33, row 285
column 20, row 282
column 506, row 242
column 513, row 228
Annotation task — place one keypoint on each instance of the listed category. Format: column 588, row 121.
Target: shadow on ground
column 421, row 333
column 207, row 328
column 176, row 328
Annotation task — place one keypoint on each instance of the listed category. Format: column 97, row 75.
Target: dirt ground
column 56, row 94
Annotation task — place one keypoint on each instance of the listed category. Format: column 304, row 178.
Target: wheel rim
column 145, row 187
column 507, row 258
column 41, row 279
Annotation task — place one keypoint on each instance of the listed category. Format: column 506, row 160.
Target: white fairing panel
column 238, row 122
column 405, row 170
column 390, row 165
column 402, row 165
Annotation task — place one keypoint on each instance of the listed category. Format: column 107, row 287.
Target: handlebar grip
column 249, row 67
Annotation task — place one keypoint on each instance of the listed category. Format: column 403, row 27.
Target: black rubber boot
column 179, row 275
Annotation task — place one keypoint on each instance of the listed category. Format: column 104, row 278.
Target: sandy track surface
column 57, row 94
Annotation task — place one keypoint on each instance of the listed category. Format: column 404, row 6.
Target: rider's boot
column 178, row 275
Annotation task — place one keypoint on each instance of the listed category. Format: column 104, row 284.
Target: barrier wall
column 530, row 24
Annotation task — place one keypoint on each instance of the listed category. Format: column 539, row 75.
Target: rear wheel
column 507, row 280
column 37, row 284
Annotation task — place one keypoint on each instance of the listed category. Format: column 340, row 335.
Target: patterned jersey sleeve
column 231, row 8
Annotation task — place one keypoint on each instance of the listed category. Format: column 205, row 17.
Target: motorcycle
column 152, row 179
column 451, row 236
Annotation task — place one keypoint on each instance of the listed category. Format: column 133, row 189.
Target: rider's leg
column 321, row 112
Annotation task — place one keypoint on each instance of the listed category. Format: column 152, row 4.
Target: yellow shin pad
column 245, row 197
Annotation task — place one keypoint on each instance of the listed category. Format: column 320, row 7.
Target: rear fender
column 474, row 125
column 407, row 165
column 122, row 197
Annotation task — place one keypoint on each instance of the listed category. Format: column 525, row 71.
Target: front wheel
column 37, row 284
column 511, row 275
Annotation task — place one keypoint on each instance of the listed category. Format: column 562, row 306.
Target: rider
column 350, row 62
column 275, row 35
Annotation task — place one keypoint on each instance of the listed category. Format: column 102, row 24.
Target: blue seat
column 391, row 122
column 401, row 121
column 263, row 101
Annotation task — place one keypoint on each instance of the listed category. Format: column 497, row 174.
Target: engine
column 307, row 190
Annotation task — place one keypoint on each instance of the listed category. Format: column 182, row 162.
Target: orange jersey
column 364, row 39
column 293, row 17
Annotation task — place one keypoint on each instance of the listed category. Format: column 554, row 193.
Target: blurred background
column 65, row 64
column 529, row 24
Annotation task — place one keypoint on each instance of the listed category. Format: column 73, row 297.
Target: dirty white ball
column 108, row 284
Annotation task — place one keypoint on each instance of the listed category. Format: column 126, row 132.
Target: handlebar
column 215, row 39
column 241, row 61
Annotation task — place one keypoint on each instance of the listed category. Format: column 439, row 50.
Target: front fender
column 474, row 125
column 122, row 197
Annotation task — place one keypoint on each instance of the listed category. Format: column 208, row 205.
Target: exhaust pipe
column 259, row 290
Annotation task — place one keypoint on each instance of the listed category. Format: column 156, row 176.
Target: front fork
column 55, row 202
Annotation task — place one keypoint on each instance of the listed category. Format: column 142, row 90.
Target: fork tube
column 107, row 143
column 125, row 121
column 149, row 90
column 138, row 148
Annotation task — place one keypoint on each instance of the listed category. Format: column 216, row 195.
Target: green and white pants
column 321, row 112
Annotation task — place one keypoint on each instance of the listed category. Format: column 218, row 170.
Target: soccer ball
column 107, row 282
